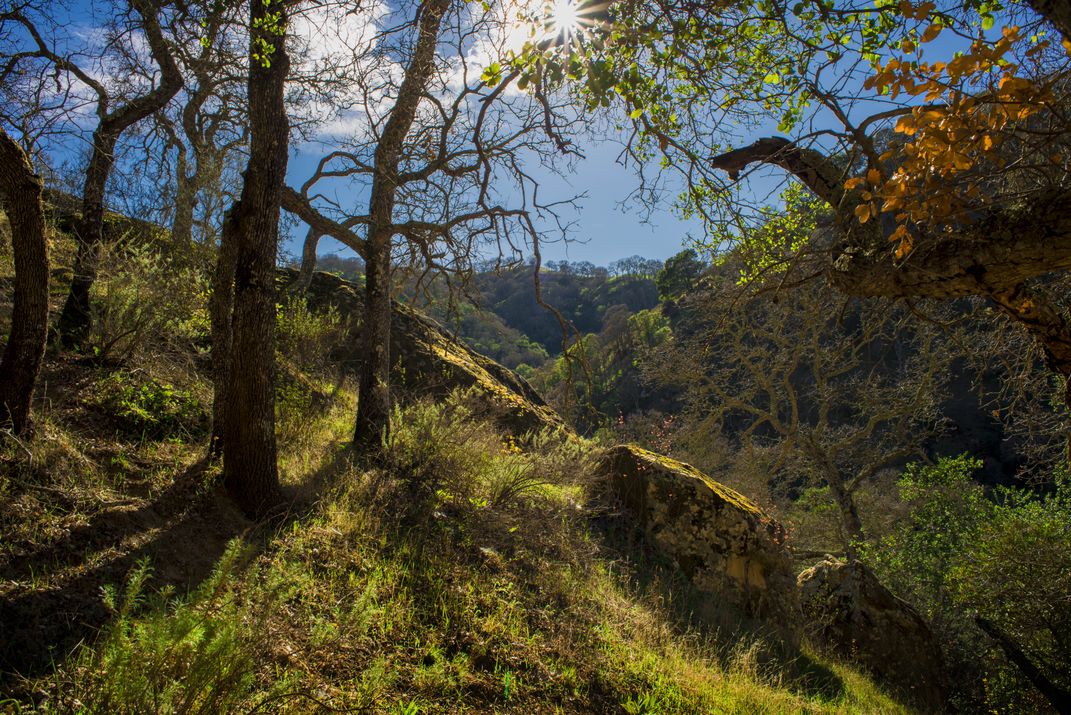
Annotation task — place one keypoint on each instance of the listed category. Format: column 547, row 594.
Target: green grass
column 459, row 577
column 463, row 574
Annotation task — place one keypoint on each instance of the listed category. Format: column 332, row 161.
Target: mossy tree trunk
column 21, row 190
column 250, row 472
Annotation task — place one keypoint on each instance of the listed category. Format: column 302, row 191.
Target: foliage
column 147, row 408
column 1016, row 573
column 1004, row 557
column 785, row 232
column 308, row 337
column 144, row 303
column 599, row 378
column 679, row 275
column 189, row 656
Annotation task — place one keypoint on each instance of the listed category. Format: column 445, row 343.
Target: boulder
column 428, row 360
column 847, row 611
column 721, row 542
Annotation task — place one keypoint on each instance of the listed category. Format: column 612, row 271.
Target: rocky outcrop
column 428, row 360
column 849, row 612
column 723, row 543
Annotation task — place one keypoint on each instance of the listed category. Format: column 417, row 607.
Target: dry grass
column 464, row 574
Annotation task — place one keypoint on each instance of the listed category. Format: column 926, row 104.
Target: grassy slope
column 461, row 576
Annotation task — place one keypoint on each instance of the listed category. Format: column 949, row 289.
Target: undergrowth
column 461, row 575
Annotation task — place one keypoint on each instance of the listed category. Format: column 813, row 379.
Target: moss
column 730, row 496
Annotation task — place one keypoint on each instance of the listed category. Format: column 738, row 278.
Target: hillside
column 475, row 570
column 818, row 461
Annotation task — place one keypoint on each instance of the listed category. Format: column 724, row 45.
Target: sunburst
column 567, row 20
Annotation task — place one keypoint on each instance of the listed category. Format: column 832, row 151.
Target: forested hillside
column 815, row 458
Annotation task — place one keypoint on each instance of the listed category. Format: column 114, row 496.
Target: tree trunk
column 308, row 260
column 220, row 311
column 250, row 473
column 75, row 318
column 373, row 406
column 849, row 515
column 21, row 189
column 1059, row 698
column 185, row 201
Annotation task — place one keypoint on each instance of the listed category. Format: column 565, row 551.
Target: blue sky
column 605, row 230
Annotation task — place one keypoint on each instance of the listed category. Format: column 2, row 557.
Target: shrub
column 142, row 302
column 1006, row 558
column 308, row 337
column 147, row 408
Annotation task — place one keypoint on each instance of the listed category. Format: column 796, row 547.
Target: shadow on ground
column 182, row 532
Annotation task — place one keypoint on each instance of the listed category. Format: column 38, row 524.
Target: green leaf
column 772, row 78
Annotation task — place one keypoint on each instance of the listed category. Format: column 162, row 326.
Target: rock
column 723, row 543
column 428, row 360
column 860, row 620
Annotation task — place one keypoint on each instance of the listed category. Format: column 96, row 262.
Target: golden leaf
column 906, row 125
column 905, row 246
column 862, row 212
column 931, row 33
column 873, row 177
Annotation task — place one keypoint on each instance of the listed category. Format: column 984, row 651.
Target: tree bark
column 75, row 318
column 220, row 310
column 374, row 402
column 1058, row 12
column 849, row 514
column 21, row 363
column 250, row 472
column 373, row 406
column 308, row 260
column 185, row 201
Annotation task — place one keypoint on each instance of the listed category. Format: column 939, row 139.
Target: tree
column 679, row 274
column 441, row 162
column 115, row 113
column 967, row 198
column 996, row 575
column 250, row 235
column 835, row 394
column 20, row 189
column 208, row 130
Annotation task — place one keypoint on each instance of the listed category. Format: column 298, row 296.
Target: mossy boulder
column 850, row 613
column 428, row 360
column 722, row 542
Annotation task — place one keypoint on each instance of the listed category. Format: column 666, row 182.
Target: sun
column 565, row 19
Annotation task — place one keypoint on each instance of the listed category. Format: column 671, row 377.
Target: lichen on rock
column 722, row 542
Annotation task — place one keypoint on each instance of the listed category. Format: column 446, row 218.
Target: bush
column 147, row 408
column 1006, row 558
column 308, row 337
column 143, row 302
